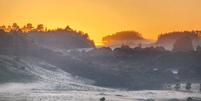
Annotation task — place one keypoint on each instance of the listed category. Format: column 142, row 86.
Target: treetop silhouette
column 123, row 35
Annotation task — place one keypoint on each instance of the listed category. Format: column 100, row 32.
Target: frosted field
column 96, row 95
column 55, row 84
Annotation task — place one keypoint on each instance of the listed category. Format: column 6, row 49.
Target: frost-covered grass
column 53, row 84
column 147, row 95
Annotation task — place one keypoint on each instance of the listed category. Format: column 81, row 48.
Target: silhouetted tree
column 24, row 29
column 168, row 39
column 184, row 44
column 188, row 85
column 177, row 86
column 1, row 28
column 123, row 35
column 46, row 29
column 29, row 27
column 15, row 27
column 85, row 36
column 9, row 29
column 40, row 27
column 68, row 28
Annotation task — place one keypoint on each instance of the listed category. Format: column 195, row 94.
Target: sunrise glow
column 99, row 44
column 99, row 18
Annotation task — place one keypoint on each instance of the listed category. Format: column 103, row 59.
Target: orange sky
column 99, row 18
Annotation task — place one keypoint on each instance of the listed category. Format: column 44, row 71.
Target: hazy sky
column 102, row 17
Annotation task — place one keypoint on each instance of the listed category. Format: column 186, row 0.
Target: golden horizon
column 100, row 18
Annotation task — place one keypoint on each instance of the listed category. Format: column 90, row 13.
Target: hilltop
column 61, row 38
column 168, row 39
column 131, row 38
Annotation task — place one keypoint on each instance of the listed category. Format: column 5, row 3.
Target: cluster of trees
column 178, row 85
column 188, row 85
column 61, row 39
column 40, row 28
column 183, row 44
column 179, row 34
column 112, row 63
column 123, row 35
column 65, row 38
column 168, row 39
column 14, row 43
column 149, row 57
column 25, row 29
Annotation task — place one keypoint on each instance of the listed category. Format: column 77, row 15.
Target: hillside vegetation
column 61, row 39
column 168, row 39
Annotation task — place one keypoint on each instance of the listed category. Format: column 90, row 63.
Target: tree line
column 40, row 28
column 63, row 38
